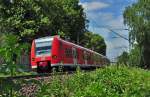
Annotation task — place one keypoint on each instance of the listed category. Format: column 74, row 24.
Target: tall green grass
column 112, row 81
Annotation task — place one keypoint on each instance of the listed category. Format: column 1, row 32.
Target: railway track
column 33, row 76
column 30, row 83
column 29, row 87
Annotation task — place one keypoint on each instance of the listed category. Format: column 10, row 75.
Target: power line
column 110, row 29
column 118, row 34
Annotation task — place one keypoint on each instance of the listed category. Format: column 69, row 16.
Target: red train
column 49, row 52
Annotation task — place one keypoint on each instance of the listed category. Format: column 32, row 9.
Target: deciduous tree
column 137, row 17
column 31, row 19
column 94, row 42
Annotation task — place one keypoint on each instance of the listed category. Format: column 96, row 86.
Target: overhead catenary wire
column 111, row 30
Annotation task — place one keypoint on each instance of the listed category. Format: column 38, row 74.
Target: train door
column 85, row 57
column 74, row 52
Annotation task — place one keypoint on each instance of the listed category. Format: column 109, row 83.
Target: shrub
column 112, row 81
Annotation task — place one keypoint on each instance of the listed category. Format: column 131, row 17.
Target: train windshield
column 43, row 48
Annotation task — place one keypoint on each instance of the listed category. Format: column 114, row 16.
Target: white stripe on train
column 72, row 65
column 33, row 67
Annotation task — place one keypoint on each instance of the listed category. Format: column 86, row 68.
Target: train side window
column 96, row 58
column 77, row 54
column 90, row 57
column 61, row 45
column 85, row 56
column 68, row 53
column 82, row 55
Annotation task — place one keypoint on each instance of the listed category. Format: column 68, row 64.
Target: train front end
column 41, row 52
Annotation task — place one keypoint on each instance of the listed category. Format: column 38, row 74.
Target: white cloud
column 117, row 22
column 102, row 31
column 95, row 5
column 115, row 46
column 99, row 16
column 106, row 19
column 105, row 16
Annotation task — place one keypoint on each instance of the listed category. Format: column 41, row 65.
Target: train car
column 49, row 52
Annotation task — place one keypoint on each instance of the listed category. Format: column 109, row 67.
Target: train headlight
column 33, row 59
column 54, row 56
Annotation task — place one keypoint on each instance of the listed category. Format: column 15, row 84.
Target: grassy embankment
column 112, row 81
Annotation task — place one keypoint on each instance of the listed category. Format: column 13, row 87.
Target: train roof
column 48, row 38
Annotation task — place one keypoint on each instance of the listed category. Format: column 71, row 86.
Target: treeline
column 30, row 19
column 137, row 18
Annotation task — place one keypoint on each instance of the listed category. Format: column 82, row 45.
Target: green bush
column 112, row 81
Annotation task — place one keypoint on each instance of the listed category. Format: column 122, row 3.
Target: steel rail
column 34, row 76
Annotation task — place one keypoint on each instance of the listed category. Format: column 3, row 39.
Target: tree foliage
column 123, row 58
column 132, row 58
column 94, row 42
column 137, row 17
column 10, row 50
column 37, row 18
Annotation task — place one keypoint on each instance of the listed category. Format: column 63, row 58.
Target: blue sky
column 108, row 14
